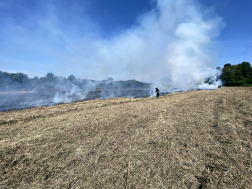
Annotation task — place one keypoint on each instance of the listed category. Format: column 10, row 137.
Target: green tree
column 236, row 75
column 227, row 65
column 246, row 69
column 49, row 76
column 228, row 76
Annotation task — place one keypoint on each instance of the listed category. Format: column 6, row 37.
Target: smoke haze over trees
column 20, row 81
column 231, row 75
column 51, row 89
column 173, row 41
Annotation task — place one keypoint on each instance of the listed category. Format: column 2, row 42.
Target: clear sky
column 123, row 39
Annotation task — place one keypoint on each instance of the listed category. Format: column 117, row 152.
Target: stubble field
column 195, row 139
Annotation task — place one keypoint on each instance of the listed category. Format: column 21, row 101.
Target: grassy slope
column 197, row 139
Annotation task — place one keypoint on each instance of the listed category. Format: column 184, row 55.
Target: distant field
column 195, row 139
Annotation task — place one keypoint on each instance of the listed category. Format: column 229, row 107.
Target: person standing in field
column 157, row 91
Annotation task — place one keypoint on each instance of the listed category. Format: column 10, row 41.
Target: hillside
column 195, row 139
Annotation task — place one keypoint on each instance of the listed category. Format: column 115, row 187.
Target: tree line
column 231, row 75
column 236, row 75
column 21, row 81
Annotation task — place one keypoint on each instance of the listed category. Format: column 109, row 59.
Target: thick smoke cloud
column 170, row 45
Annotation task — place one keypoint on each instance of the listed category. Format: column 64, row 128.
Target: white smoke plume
column 171, row 45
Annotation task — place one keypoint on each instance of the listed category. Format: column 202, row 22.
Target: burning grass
column 196, row 139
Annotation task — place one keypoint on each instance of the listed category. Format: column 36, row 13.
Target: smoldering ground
column 10, row 101
column 56, row 90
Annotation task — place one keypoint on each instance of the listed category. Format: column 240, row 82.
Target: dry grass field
column 195, row 139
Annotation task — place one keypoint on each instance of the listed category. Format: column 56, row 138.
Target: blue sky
column 124, row 39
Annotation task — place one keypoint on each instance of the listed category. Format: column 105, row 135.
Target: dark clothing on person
column 157, row 91
column 219, row 86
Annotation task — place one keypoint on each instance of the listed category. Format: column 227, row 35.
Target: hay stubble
column 196, row 139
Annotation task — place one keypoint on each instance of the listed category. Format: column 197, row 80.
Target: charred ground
column 195, row 139
column 20, row 100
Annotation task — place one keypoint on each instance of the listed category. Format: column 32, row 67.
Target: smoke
column 171, row 45
column 72, row 91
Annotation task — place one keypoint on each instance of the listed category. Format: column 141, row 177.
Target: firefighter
column 157, row 91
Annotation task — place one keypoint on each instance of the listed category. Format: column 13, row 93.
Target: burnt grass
column 10, row 101
column 195, row 139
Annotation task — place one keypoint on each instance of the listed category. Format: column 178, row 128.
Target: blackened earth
column 10, row 101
